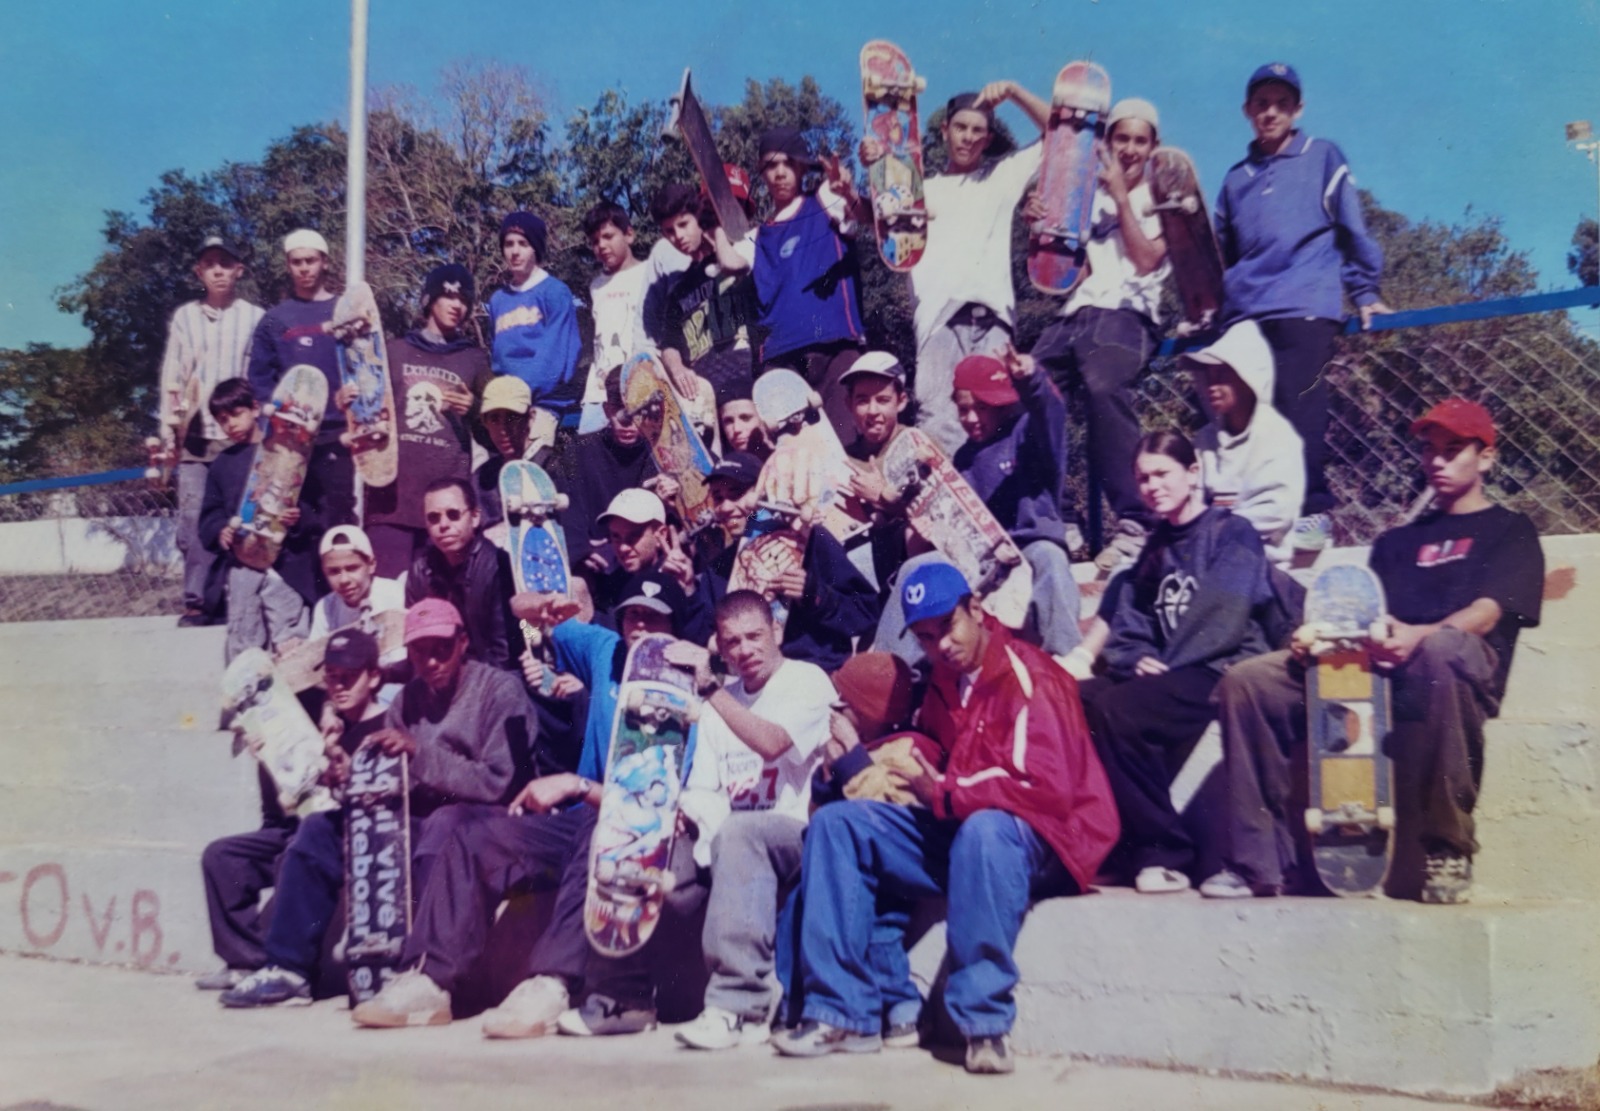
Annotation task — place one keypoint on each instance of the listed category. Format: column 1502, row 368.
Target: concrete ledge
column 1367, row 992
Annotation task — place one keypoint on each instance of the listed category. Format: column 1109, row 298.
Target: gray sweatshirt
column 465, row 747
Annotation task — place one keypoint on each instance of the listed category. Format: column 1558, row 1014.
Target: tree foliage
column 1584, row 258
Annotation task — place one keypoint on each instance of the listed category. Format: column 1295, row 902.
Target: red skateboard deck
column 889, row 89
column 1067, row 178
column 273, row 487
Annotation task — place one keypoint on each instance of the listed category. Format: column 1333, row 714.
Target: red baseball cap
column 987, row 379
column 432, row 617
column 1464, row 418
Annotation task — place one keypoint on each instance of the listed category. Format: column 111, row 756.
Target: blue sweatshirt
column 290, row 334
column 1018, row 473
column 536, row 338
column 1292, row 235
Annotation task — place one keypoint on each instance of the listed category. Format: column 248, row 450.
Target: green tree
column 1584, row 258
column 59, row 415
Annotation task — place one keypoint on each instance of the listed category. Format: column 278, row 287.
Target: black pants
column 1144, row 729
column 328, row 497
column 1301, row 349
column 479, row 867
column 237, row 870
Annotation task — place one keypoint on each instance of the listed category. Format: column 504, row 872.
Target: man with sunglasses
column 461, row 567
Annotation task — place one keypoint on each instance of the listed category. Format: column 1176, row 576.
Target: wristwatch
column 584, row 787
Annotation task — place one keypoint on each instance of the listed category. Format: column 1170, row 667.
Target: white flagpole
column 355, row 234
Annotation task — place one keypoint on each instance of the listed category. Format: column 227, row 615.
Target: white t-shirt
column 968, row 257
column 1112, row 282
column 798, row 697
column 617, row 301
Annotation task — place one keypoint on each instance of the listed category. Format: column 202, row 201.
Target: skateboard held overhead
column 1068, row 176
column 889, row 89
column 377, row 865
column 1191, row 240
column 1350, row 809
column 631, row 852
column 273, row 486
column 364, row 367
column 269, row 722
column 688, row 122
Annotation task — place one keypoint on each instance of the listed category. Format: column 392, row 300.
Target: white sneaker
column 719, row 1029
column 530, row 1011
column 410, row 999
column 1156, row 880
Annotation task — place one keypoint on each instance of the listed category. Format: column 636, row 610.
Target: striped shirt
column 210, row 345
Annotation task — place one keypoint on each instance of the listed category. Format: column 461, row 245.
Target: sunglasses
column 451, row 515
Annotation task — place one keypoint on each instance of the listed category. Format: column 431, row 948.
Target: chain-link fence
column 105, row 545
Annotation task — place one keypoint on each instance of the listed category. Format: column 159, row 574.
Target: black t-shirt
column 710, row 321
column 1445, row 562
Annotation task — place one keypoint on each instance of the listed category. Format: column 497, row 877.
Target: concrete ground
column 73, row 1036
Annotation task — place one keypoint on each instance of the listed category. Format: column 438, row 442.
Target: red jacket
column 1020, row 745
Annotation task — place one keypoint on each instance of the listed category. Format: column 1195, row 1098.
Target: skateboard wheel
column 635, row 701
column 152, row 473
column 235, row 522
column 694, row 713
column 1386, row 818
column 1314, row 822
column 562, row 501
column 151, row 443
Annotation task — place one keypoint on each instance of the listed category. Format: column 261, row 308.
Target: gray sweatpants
column 971, row 330
column 755, row 860
column 191, row 482
column 263, row 611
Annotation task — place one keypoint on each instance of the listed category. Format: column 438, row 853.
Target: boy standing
column 616, row 297
column 1294, row 243
column 1460, row 583
column 1107, row 329
column 207, row 341
column 533, row 317
column 963, row 302
column 437, row 370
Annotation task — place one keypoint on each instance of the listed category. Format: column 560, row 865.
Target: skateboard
column 768, row 549
column 269, row 722
column 1067, row 179
column 166, row 448
column 273, row 486
column 1191, row 240
column 630, row 854
column 1350, row 810
column 889, row 91
column 536, row 544
column 648, row 395
column 688, row 122
column 944, row 509
column 808, row 465
column 300, row 668
column 377, row 870
column 364, row 364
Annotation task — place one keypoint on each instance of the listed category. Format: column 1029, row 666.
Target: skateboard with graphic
column 536, row 544
column 944, row 509
column 273, row 487
column 889, row 89
column 1067, row 177
column 688, row 122
column 269, row 722
column 166, row 448
column 769, row 549
column 808, row 465
column 631, row 851
column 1190, row 238
column 364, row 366
column 648, row 396
column 1350, row 809
column 377, row 870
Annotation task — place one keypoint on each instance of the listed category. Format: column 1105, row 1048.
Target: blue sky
column 1439, row 104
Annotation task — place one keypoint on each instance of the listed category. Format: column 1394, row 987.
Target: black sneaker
column 990, row 1055
column 817, row 1039
column 1446, row 877
column 269, row 987
column 193, row 619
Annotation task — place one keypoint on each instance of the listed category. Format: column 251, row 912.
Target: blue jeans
column 990, row 866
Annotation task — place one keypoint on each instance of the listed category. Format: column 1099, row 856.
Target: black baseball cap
column 220, row 244
column 351, row 650
column 654, row 590
column 737, row 466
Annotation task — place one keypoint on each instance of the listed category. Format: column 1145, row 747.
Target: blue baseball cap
column 1274, row 71
column 932, row 590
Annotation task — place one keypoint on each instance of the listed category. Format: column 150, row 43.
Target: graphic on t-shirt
column 424, row 404
column 1447, row 551
column 1173, row 598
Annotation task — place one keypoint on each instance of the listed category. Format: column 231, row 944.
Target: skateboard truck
column 1350, row 815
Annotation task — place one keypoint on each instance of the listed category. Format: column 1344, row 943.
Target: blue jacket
column 1019, row 472
column 536, row 338
column 1292, row 235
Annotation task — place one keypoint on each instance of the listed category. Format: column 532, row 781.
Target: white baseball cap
column 640, row 507
column 345, row 537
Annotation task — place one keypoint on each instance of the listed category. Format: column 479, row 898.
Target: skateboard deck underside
column 269, row 721
column 1190, row 238
column 808, row 465
column 1350, row 807
column 631, row 852
column 301, row 668
column 674, row 444
column 768, row 549
column 947, row 512
column 364, row 364
column 279, row 470
column 889, row 90
column 1080, row 101
column 377, row 870
column 688, row 119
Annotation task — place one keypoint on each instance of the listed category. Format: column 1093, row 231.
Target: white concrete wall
column 75, row 545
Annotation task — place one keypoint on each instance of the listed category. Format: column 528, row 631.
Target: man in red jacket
column 1020, row 808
